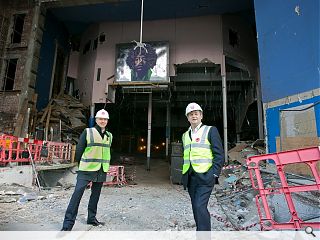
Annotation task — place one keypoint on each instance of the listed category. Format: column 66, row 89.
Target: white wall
column 189, row 39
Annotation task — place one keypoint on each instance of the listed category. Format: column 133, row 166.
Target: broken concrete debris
column 243, row 150
column 19, row 194
column 64, row 119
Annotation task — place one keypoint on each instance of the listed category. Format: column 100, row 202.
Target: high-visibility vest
column 197, row 152
column 97, row 152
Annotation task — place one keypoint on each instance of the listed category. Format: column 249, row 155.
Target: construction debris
column 243, row 150
column 62, row 120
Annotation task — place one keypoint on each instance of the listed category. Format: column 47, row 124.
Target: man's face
column 139, row 61
column 102, row 122
column 140, row 65
column 194, row 118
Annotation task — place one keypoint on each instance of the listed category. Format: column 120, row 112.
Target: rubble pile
column 19, row 194
column 235, row 194
column 243, row 150
column 236, row 198
column 64, row 118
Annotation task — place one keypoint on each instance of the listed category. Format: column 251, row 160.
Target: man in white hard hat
column 93, row 156
column 203, row 158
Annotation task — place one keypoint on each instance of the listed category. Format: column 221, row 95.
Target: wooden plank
column 73, row 153
column 291, row 143
column 47, row 122
column 46, row 111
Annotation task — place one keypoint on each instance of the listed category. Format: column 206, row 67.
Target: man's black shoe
column 65, row 229
column 95, row 223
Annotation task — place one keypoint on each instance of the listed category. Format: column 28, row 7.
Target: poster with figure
column 142, row 63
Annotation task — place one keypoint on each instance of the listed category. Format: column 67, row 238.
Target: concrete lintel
column 55, row 166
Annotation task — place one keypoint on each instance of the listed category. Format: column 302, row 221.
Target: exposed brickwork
column 7, row 123
column 9, row 100
column 8, row 111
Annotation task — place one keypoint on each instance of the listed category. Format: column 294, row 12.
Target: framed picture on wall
column 149, row 63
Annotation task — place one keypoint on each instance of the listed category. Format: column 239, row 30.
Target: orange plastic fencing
column 116, row 172
column 56, row 152
column 14, row 149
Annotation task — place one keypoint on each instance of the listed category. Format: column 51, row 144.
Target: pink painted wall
column 86, row 66
column 73, row 65
column 189, row 39
column 246, row 52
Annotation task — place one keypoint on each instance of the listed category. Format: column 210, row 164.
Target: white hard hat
column 193, row 107
column 102, row 114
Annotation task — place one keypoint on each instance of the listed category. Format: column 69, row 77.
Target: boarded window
column 17, row 28
column 10, row 73
column 298, row 128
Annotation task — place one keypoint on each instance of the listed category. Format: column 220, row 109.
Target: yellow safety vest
column 97, row 152
column 197, row 152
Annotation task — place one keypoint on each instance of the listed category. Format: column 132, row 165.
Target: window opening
column 10, row 73
column 86, row 47
column 233, row 38
column 98, row 74
column 95, row 44
column 18, row 22
column 102, row 37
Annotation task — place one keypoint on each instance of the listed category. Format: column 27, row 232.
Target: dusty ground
column 152, row 204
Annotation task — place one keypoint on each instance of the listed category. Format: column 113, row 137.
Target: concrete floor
column 153, row 203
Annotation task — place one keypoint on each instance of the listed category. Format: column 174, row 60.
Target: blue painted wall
column 54, row 30
column 289, row 46
column 273, row 120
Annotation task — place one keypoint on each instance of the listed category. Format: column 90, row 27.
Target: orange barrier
column 14, row 149
column 117, row 174
column 56, row 151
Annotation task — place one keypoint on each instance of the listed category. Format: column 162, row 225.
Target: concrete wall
column 189, row 39
column 289, row 46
